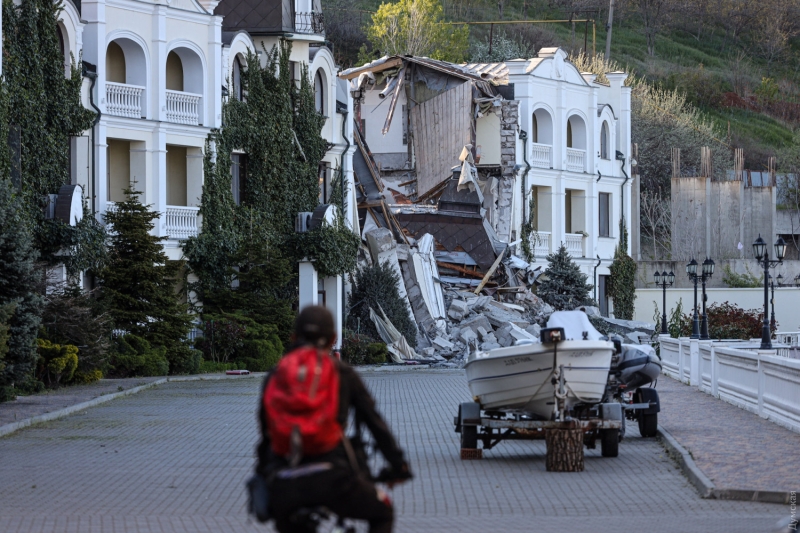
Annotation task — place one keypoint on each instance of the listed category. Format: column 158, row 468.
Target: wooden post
column 564, row 450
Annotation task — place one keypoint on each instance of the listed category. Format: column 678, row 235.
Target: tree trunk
column 564, row 450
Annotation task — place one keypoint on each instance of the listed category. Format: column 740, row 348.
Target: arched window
column 237, row 79
column 604, row 140
column 319, row 92
column 534, row 129
column 174, row 72
column 569, row 134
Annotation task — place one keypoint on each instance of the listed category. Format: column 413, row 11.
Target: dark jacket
column 352, row 393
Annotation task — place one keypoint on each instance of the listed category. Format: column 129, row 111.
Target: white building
column 556, row 133
column 161, row 71
column 579, row 148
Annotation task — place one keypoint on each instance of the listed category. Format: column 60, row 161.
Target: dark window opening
column 534, row 129
column 237, row 79
column 602, row 296
column 325, row 184
column 604, row 141
column 239, row 178
column 605, row 214
column 569, row 134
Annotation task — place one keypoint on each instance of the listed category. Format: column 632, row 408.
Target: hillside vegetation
column 736, row 61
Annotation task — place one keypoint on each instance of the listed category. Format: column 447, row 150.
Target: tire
column 648, row 424
column 469, row 437
column 609, row 442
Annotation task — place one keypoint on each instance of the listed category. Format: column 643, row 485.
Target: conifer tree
column 139, row 283
column 621, row 285
column 18, row 279
column 565, row 287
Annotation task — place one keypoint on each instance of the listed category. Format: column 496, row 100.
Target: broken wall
column 442, row 126
column 508, row 159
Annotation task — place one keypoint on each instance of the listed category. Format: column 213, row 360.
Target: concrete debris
column 476, row 321
column 396, row 344
column 623, row 327
column 443, row 344
column 468, row 336
column 457, row 310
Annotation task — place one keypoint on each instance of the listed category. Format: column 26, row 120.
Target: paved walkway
column 174, row 459
column 38, row 404
column 735, row 448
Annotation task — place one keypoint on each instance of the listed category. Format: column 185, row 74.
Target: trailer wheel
column 609, row 442
column 648, row 424
column 469, row 437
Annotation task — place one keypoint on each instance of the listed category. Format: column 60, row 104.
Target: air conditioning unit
column 302, row 222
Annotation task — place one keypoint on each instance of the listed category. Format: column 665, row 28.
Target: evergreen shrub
column 377, row 287
column 56, row 363
column 565, row 286
column 135, row 357
column 355, row 347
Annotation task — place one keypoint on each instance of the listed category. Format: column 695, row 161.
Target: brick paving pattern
column 174, row 459
column 38, row 404
column 735, row 448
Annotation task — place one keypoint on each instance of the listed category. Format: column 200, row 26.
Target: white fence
column 576, row 160
column 541, row 246
column 183, row 108
column 761, row 382
column 542, row 156
column 574, row 243
column 124, row 100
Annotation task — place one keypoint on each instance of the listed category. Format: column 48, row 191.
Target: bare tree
column 654, row 212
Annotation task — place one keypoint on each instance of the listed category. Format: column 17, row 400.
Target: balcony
column 540, row 243
column 182, row 222
column 576, row 160
column 183, row 107
column 309, row 23
column 542, row 156
column 124, row 100
column 574, row 243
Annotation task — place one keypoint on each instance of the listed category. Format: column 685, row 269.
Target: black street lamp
column 708, row 271
column 691, row 271
column 762, row 256
column 664, row 280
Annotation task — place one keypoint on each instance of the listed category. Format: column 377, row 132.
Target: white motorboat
column 520, row 378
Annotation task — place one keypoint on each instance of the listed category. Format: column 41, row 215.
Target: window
column 319, row 92
column 534, row 129
column 604, row 139
column 324, row 182
column 293, row 73
column 569, row 134
column 239, row 177
column 568, row 211
column 174, row 72
column 602, row 295
column 237, row 79
column 605, row 212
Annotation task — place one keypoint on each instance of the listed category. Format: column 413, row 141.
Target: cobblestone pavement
column 46, row 402
column 735, row 448
column 174, row 459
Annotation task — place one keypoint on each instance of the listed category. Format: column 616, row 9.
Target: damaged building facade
column 448, row 159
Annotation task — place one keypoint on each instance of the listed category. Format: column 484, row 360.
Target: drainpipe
column 595, row 277
column 523, row 136
column 90, row 71
column 621, row 159
column 344, row 211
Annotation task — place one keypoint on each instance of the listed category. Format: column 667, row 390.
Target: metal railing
column 124, row 100
column 183, row 108
column 542, row 156
column 310, row 23
column 576, row 160
column 181, row 222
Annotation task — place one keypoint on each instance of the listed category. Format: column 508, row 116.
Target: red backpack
column 303, row 393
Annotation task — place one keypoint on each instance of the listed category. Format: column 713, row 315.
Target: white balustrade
column 759, row 381
column 540, row 243
column 124, row 100
column 574, row 243
column 542, row 156
column 576, row 160
column 183, row 108
column 182, row 222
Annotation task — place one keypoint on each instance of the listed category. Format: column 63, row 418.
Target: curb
column 8, row 429
column 705, row 486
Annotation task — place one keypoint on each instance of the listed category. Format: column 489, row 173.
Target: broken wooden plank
column 390, row 63
column 491, row 271
column 457, row 268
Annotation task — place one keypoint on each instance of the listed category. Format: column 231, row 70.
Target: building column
column 157, row 180
column 333, row 302
column 309, row 285
column 100, row 187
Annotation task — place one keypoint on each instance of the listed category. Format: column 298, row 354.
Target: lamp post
column 664, row 280
column 762, row 256
column 708, row 271
column 691, row 271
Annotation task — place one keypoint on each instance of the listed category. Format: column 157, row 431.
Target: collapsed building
column 448, row 158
